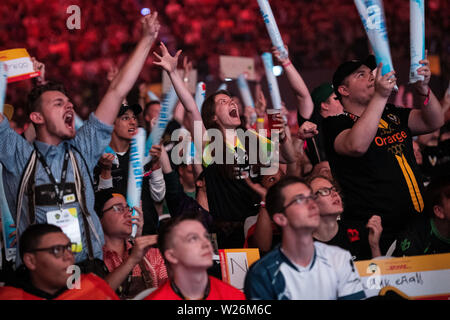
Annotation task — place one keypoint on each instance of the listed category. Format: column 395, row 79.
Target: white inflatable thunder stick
column 372, row 17
column 271, row 80
column 272, row 28
column 200, row 94
column 136, row 172
column 165, row 115
column 7, row 220
column 417, row 38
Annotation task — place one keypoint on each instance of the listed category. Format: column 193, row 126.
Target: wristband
column 286, row 64
column 260, row 120
column 427, row 99
column 262, row 204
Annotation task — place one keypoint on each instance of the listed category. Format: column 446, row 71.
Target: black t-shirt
column 119, row 175
column 421, row 237
column 230, row 199
column 436, row 159
column 385, row 180
column 352, row 236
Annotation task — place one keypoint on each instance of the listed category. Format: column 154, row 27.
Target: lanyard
column 59, row 190
column 352, row 116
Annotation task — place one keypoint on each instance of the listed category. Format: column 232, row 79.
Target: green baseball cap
column 321, row 94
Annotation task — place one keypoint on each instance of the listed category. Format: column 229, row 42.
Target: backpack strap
column 80, row 191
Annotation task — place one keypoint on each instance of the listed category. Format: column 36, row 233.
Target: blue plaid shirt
column 90, row 140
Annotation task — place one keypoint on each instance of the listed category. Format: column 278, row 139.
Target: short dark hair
column 167, row 226
column 149, row 104
column 275, row 198
column 435, row 192
column 34, row 97
column 31, row 237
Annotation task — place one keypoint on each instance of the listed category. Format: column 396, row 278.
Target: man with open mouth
column 50, row 181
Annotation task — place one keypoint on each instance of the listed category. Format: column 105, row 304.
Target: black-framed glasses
column 326, row 191
column 300, row 199
column 119, row 208
column 58, row 250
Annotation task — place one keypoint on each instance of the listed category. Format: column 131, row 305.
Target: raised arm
column 169, row 63
column 305, row 104
column 128, row 74
column 355, row 141
column 430, row 116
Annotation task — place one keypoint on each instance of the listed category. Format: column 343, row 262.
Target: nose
column 334, row 193
column 312, row 204
column 206, row 242
column 371, row 76
column 69, row 105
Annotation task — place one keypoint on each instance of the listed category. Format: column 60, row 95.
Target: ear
column 280, row 219
column 199, row 183
column 343, row 90
column 169, row 254
column 37, row 118
column 438, row 211
column 324, row 106
column 29, row 260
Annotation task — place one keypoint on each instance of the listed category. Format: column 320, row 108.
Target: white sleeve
column 104, row 183
column 349, row 282
column 157, row 185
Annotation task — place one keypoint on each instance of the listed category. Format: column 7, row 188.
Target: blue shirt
column 91, row 140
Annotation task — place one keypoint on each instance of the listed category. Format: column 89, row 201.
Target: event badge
column 67, row 220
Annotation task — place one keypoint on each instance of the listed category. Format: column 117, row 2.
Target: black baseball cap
column 347, row 68
column 101, row 197
column 136, row 108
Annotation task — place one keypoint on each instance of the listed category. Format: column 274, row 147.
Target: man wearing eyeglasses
column 300, row 269
column 134, row 265
column 113, row 166
column 46, row 271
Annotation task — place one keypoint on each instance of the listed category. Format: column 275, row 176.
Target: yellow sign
column 419, row 277
column 18, row 64
column 235, row 264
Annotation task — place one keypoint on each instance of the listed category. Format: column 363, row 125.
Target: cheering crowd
column 352, row 183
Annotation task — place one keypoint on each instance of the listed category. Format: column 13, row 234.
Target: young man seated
column 46, row 272
column 133, row 264
column 300, row 268
column 187, row 250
